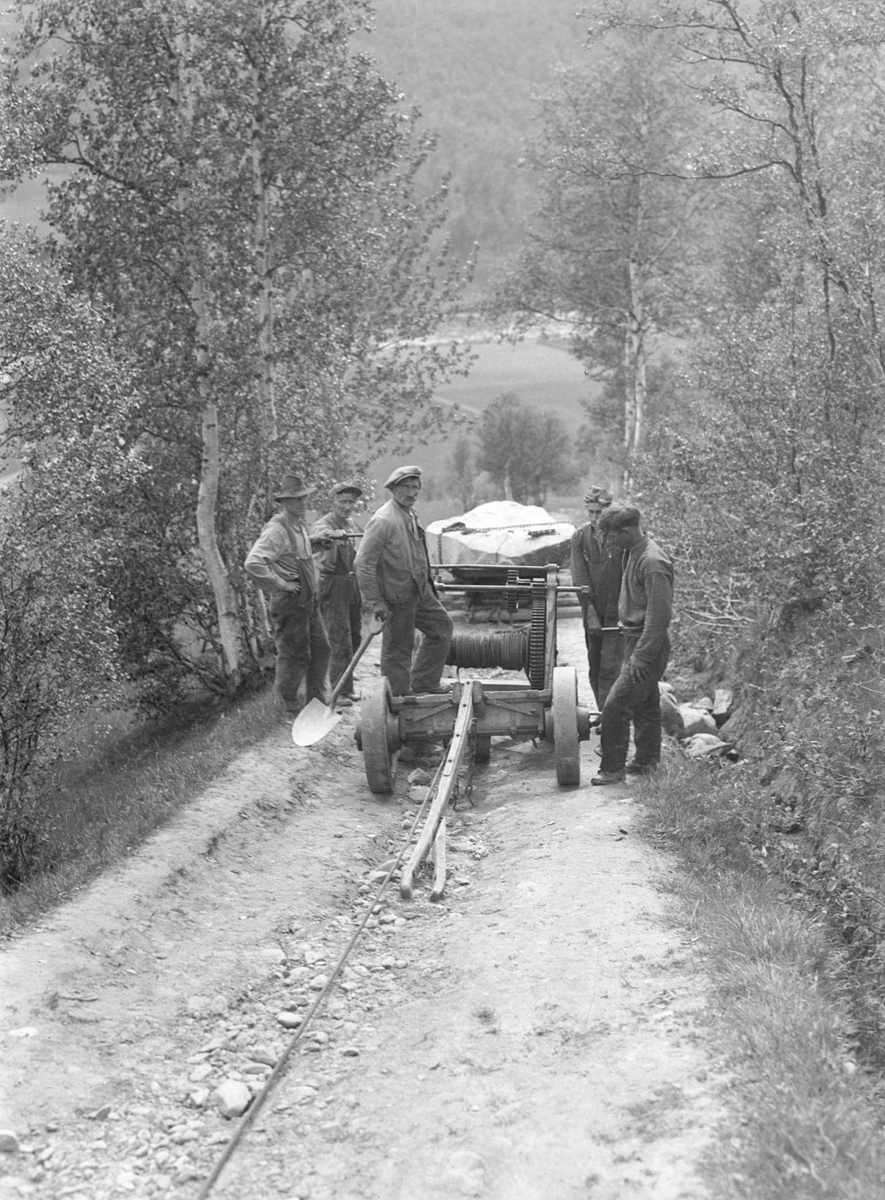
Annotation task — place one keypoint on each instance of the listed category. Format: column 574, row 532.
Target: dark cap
column 598, row 495
column 402, row 473
column 346, row 486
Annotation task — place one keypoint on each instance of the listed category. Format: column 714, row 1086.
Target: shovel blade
column 313, row 723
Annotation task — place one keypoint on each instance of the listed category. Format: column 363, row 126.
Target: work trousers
column 605, row 653
column 340, row 603
column 302, row 651
column 637, row 702
column 424, row 613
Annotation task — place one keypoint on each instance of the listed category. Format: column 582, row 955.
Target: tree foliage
column 762, row 469
column 612, row 246
column 461, row 475
column 786, row 82
column 782, row 400
column 67, row 393
column 525, row 452
column 242, row 191
column 768, row 475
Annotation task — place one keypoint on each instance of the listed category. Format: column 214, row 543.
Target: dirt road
column 538, row 1035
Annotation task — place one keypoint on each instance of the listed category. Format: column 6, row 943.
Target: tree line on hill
column 474, row 68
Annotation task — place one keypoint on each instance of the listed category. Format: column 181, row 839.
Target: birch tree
column 66, row 396
column 524, row 451
column 608, row 255
column 783, row 84
column 241, row 191
column 778, row 428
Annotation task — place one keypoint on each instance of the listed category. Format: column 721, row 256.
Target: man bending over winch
column 645, row 608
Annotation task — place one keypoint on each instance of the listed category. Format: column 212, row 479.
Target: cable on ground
column 248, row 1118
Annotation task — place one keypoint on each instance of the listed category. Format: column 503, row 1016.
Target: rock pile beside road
column 697, row 725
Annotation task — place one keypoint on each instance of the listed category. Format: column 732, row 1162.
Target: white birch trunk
column 261, row 257
column 210, row 462
column 638, row 378
column 629, row 392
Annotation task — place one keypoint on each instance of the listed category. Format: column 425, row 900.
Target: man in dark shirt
column 339, row 594
column 597, row 568
column 645, row 609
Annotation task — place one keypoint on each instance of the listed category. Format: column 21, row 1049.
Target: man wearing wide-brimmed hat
column 339, row 593
column 598, row 568
column 282, row 564
column 396, row 584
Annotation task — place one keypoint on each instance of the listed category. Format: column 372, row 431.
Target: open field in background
column 542, row 374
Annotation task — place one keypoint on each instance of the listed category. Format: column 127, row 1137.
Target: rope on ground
column 277, row 1073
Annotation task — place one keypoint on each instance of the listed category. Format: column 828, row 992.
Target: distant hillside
column 473, row 66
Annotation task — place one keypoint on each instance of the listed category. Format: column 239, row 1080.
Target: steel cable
column 507, row 649
column 276, row 1074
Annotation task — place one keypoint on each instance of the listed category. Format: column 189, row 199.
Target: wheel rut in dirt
column 537, row 1034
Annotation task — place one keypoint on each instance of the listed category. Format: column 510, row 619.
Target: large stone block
column 697, row 720
column 671, row 718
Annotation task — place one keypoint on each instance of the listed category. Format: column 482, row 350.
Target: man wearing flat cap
column 598, row 568
column 281, row 563
column 645, row 610
column 339, row 593
column 396, row 584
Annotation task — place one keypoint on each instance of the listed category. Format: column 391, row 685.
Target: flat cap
column 402, row 473
column 598, row 495
column 346, row 486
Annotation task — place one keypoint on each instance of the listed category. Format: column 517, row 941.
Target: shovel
column 316, row 720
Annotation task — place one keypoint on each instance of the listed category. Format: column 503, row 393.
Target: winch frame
column 499, row 707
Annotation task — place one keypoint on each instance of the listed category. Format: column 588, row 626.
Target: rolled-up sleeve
column 261, row 559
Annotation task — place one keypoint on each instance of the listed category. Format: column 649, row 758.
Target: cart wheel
column 379, row 734
column 566, row 746
column 482, row 748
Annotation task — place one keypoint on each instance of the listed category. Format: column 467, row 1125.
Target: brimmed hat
column 598, row 495
column 402, row 473
column 346, row 486
column 293, row 487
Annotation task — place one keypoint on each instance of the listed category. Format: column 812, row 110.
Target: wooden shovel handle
column 374, row 628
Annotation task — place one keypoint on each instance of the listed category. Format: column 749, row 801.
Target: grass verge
column 94, row 817
column 805, row 1117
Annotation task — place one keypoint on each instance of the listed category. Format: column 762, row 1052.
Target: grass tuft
column 804, row 1114
column 92, row 817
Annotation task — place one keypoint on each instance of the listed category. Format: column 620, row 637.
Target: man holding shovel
column 339, row 594
column 396, row 585
column 281, row 563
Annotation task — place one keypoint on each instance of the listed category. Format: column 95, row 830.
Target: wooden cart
column 546, row 708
